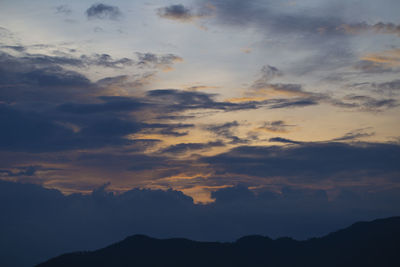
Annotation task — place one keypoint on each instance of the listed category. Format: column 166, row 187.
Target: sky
column 148, row 94
column 205, row 99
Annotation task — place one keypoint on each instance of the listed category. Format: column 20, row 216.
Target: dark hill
column 375, row 243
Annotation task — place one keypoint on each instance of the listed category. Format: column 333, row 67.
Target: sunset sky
column 201, row 95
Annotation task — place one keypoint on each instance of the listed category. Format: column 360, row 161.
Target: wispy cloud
column 163, row 62
column 181, row 13
column 386, row 61
column 363, row 27
column 278, row 126
column 189, row 147
column 355, row 135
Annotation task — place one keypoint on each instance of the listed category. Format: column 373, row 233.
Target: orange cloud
column 389, row 57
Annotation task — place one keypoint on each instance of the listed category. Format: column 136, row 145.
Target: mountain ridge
column 374, row 243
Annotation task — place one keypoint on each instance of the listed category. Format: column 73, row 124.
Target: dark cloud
column 267, row 73
column 317, row 32
column 103, row 11
column 173, row 100
column 105, row 60
column 56, row 223
column 292, row 103
column 21, row 171
column 30, row 131
column 355, row 135
column 177, row 12
column 52, row 109
column 283, row 140
column 110, row 104
column 18, row 48
column 39, row 61
column 171, row 129
column 144, row 60
column 38, row 132
column 175, row 117
column 181, row 13
column 161, row 61
column 48, row 108
column 225, row 130
column 276, row 126
column 188, row 147
column 127, row 81
column 27, row 79
column 309, row 160
column 36, row 73
column 261, row 15
column 127, row 161
column 392, row 87
column 365, row 103
column 263, row 84
column 296, row 96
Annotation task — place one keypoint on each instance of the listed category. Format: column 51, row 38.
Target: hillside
column 373, row 243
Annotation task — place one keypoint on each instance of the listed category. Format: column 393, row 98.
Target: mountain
column 375, row 243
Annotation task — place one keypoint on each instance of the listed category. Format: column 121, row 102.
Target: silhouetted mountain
column 375, row 243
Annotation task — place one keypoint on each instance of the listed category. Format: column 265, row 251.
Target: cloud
column 261, row 15
column 225, row 130
column 372, row 67
column 38, row 132
column 110, row 104
column 267, row 73
column 365, row 103
column 18, row 48
column 380, row 27
column 278, row 126
column 48, row 108
column 386, row 61
column 181, row 13
column 171, row 129
column 21, row 171
column 30, row 131
column 121, row 84
column 64, row 59
column 77, row 113
column 262, row 92
column 355, row 135
column 160, row 61
column 103, row 11
column 57, row 223
column 263, row 86
column 392, row 87
column 63, row 9
column 390, row 57
column 25, row 73
column 105, row 60
column 176, row 12
column 173, row 100
column 292, row 103
column 188, row 147
column 41, row 60
column 283, row 140
column 309, row 161
column 275, row 103
column 200, row 87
